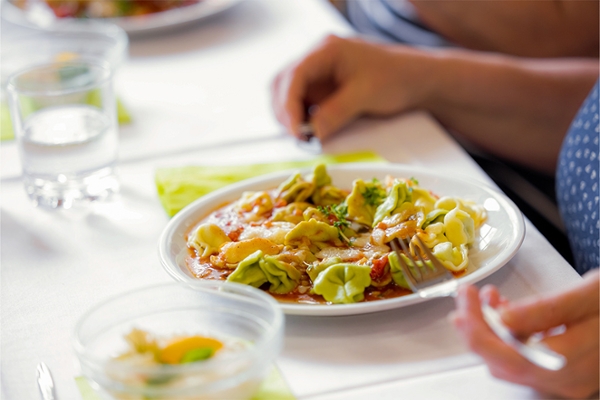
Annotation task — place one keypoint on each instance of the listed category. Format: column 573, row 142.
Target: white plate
column 499, row 237
column 156, row 22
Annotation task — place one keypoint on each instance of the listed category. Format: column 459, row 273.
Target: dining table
column 199, row 95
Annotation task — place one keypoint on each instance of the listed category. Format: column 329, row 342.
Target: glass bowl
column 232, row 313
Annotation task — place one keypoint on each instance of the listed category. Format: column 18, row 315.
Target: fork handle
column 536, row 352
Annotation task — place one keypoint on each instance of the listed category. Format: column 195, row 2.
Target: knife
column 45, row 382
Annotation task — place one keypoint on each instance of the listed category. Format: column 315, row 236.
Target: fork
column 434, row 280
column 308, row 140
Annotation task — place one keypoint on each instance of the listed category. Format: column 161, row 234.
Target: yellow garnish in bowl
column 189, row 349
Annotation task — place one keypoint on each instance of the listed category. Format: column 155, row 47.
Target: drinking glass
column 64, row 118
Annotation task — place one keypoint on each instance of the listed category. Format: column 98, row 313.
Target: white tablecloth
column 200, row 96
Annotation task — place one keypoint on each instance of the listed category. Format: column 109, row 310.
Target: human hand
column 345, row 78
column 576, row 308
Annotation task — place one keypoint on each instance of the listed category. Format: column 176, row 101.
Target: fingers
column 490, row 295
column 287, row 106
column 539, row 314
column 579, row 343
column 580, row 377
column 480, row 338
column 502, row 360
column 336, row 111
column 291, row 89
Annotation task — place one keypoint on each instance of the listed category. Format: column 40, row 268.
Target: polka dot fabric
column 577, row 180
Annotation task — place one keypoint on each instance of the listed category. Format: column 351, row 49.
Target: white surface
column 498, row 239
column 201, row 97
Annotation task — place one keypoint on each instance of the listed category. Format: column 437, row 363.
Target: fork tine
column 410, row 278
column 425, row 281
column 418, row 254
column 434, row 261
column 415, row 271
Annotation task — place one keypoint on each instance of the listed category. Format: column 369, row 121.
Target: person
column 516, row 108
column 558, row 28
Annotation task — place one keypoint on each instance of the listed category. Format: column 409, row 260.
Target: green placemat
column 6, row 127
column 178, row 187
column 273, row 387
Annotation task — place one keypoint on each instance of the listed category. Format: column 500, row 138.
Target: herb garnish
column 374, row 193
column 337, row 215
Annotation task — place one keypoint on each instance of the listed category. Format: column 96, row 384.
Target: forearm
column 518, row 109
column 558, row 28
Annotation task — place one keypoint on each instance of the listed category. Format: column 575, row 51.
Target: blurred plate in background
column 38, row 14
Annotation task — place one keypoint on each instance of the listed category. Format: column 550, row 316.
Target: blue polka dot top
column 577, row 180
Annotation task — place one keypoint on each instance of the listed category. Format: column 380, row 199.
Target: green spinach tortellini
column 316, row 232
column 398, row 194
column 364, row 200
column 295, row 189
column 343, row 283
column 258, row 269
column 315, row 269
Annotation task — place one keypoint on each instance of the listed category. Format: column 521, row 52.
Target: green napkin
column 6, row 128
column 177, row 187
column 273, row 387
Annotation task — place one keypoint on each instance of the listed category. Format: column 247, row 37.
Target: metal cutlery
column 45, row 382
column 434, row 280
column 308, row 140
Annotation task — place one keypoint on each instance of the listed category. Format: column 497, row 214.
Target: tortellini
column 475, row 211
column 363, row 201
column 328, row 195
column 433, row 235
column 453, row 258
column 312, row 231
column 343, row 283
column 314, row 269
column 296, row 189
column 459, row 227
column 234, row 252
column 275, row 231
column 208, row 239
column 399, row 193
column 309, row 239
column 396, row 270
column 258, row 269
column 292, row 213
column 255, row 202
column 423, row 199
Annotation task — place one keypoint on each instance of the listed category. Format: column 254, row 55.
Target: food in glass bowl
column 195, row 341
column 107, row 8
column 309, row 241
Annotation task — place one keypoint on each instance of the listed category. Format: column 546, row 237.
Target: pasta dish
column 309, row 241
